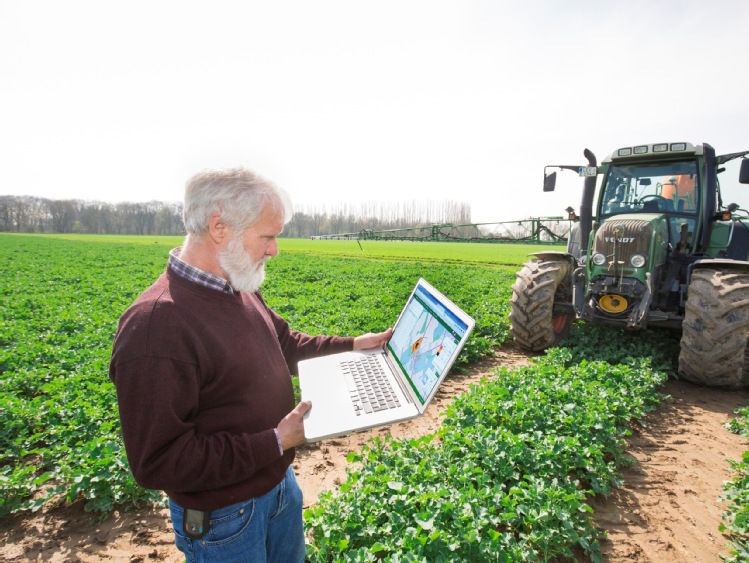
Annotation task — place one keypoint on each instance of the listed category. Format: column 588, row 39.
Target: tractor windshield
column 651, row 188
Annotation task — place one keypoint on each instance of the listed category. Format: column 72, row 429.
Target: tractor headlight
column 637, row 261
column 599, row 259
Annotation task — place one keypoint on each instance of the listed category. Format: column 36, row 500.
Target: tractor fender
column 555, row 254
column 718, row 263
column 558, row 255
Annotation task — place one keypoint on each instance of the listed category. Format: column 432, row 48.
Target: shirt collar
column 196, row 275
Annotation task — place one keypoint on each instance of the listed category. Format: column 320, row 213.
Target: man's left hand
column 291, row 428
column 372, row 340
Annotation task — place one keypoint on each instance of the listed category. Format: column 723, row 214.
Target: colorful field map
column 423, row 347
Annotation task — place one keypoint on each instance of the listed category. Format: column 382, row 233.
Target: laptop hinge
column 395, row 368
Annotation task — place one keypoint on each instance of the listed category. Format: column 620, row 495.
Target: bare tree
column 63, row 214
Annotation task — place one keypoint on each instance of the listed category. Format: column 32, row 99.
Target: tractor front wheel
column 536, row 319
column 714, row 332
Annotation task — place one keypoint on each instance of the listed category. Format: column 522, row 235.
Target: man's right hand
column 291, row 428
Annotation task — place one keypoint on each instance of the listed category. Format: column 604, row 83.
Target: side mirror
column 743, row 171
column 550, row 181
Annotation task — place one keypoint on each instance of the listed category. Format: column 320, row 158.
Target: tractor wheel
column 535, row 324
column 714, row 333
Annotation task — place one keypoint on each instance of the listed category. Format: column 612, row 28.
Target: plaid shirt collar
column 201, row 277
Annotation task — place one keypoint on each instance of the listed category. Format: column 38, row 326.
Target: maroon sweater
column 203, row 379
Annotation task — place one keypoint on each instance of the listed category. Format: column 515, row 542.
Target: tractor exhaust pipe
column 711, row 185
column 586, row 205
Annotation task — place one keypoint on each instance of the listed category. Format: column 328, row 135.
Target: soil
column 667, row 509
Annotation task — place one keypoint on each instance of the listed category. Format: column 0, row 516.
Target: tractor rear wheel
column 714, row 332
column 535, row 322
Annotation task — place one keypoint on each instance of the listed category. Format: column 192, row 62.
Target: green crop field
column 62, row 297
column 487, row 254
column 508, row 477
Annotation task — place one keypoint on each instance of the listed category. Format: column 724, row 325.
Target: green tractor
column 658, row 250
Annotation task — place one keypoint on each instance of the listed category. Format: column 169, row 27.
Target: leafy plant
column 507, row 477
column 735, row 523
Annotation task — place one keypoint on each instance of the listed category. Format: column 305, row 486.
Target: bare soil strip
column 668, row 508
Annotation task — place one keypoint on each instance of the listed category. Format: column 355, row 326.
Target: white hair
column 239, row 194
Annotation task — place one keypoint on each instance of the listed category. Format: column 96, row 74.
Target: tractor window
column 651, row 188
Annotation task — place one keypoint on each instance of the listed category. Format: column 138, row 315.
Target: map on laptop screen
column 423, row 342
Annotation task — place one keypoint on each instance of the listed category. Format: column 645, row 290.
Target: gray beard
column 244, row 274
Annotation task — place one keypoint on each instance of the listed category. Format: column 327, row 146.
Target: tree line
column 30, row 214
column 348, row 218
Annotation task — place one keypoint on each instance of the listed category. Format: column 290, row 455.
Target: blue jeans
column 263, row 529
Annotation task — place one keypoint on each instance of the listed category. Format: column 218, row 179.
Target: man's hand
column 291, row 428
column 371, row 340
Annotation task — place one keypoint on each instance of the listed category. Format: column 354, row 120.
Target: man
column 202, row 370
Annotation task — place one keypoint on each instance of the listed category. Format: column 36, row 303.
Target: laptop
column 354, row 391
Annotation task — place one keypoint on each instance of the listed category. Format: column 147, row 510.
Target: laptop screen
column 424, row 340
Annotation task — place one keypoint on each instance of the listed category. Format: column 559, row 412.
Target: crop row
column 507, row 476
column 736, row 494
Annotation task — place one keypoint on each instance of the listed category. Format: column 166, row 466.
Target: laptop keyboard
column 368, row 385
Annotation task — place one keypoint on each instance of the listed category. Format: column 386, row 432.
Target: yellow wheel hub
column 613, row 303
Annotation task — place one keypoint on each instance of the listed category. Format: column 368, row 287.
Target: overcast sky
column 348, row 101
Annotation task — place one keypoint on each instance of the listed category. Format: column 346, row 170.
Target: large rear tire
column 714, row 332
column 534, row 322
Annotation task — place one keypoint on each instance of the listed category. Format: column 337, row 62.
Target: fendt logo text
column 624, row 240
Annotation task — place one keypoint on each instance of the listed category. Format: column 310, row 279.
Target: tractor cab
column 670, row 189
